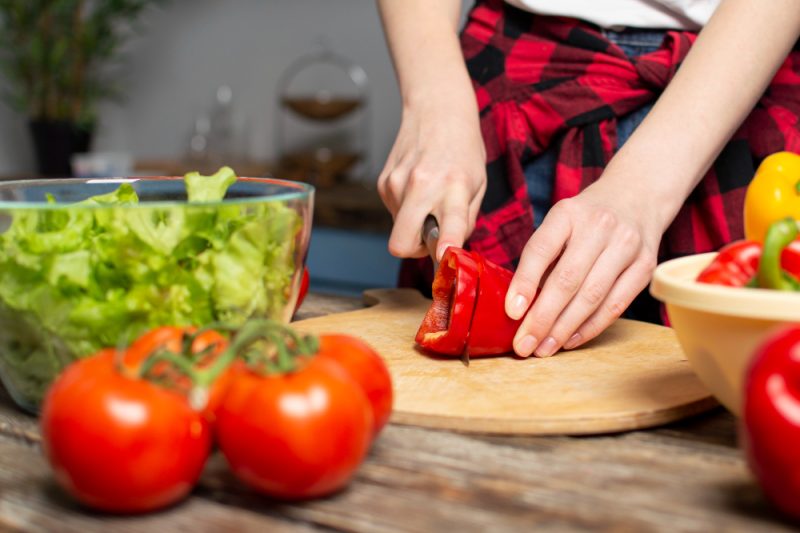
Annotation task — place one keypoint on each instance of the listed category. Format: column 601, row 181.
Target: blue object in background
column 348, row 262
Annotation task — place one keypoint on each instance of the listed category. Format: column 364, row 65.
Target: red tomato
column 297, row 435
column 171, row 338
column 365, row 367
column 121, row 444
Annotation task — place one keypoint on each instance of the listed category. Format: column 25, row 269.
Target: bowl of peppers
column 725, row 305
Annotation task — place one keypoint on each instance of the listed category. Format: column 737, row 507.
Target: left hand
column 591, row 256
column 595, row 252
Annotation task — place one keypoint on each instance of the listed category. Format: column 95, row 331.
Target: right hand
column 436, row 166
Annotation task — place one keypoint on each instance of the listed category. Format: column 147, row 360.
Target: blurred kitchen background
column 301, row 89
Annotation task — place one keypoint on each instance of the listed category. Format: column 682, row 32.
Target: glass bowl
column 78, row 276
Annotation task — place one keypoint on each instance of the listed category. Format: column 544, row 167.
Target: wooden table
column 689, row 476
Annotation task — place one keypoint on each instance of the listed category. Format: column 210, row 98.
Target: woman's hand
column 437, row 166
column 595, row 252
column 591, row 256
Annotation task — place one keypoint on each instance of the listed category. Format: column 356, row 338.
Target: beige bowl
column 719, row 328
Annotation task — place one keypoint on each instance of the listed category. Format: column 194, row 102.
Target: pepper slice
column 492, row 331
column 445, row 327
column 467, row 315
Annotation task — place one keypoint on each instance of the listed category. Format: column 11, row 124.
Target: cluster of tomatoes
column 130, row 430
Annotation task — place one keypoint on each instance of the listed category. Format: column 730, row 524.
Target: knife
column 430, row 237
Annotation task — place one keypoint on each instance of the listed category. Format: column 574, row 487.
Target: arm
column 719, row 83
column 610, row 233
column 437, row 164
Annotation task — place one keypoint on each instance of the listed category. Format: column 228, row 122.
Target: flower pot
column 54, row 142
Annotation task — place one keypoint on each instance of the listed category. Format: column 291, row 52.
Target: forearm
column 423, row 40
column 720, row 81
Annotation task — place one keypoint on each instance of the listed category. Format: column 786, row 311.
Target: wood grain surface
column 686, row 476
column 633, row 376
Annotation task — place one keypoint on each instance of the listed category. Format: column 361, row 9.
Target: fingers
column 391, row 184
column 437, row 166
column 596, row 287
column 604, row 264
column 542, row 249
column 406, row 237
column 448, row 198
column 558, row 290
column 454, row 220
column 628, row 285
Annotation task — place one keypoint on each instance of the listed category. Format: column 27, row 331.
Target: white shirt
column 613, row 14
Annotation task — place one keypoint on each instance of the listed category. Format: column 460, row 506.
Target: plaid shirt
column 548, row 81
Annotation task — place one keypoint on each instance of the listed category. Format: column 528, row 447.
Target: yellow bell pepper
column 773, row 194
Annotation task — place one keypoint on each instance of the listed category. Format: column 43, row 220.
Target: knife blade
column 430, row 237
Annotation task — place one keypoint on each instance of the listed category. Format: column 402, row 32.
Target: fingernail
column 525, row 346
column 547, row 348
column 441, row 249
column 573, row 341
column 519, row 304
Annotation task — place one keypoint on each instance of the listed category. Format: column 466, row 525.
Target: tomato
column 296, row 435
column 121, row 444
column 365, row 367
column 171, row 338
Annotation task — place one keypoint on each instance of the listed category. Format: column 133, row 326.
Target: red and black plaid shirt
column 548, row 81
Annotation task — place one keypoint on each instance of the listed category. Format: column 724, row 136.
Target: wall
column 189, row 47
column 16, row 152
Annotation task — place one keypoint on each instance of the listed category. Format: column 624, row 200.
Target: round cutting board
column 632, row 376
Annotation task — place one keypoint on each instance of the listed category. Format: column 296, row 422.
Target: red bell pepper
column 304, row 282
column 742, row 263
column 772, row 270
column 445, row 327
column 467, row 315
column 734, row 266
column 770, row 424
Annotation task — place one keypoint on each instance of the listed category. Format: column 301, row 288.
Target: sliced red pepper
column 467, row 315
column 492, row 331
column 445, row 327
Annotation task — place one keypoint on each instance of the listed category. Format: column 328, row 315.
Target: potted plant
column 54, row 54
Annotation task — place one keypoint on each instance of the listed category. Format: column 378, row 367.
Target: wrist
column 446, row 91
column 441, row 105
column 651, row 185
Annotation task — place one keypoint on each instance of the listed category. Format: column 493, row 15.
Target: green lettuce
column 80, row 277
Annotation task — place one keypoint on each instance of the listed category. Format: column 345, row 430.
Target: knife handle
column 430, row 236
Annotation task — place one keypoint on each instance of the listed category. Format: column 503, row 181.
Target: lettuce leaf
column 97, row 273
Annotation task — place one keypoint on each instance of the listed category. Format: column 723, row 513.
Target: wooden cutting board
column 632, row 376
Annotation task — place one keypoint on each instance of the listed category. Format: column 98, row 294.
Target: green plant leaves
column 52, row 53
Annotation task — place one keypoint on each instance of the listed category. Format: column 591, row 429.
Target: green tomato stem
column 278, row 354
column 181, row 363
